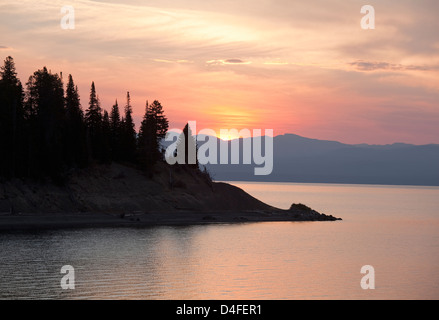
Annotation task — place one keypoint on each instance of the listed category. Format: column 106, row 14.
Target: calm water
column 394, row 229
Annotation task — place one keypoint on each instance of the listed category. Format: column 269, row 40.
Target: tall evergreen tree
column 93, row 116
column 145, row 141
column 11, row 120
column 152, row 131
column 128, row 138
column 106, row 133
column 115, row 133
column 75, row 139
column 93, row 120
column 186, row 144
column 46, row 113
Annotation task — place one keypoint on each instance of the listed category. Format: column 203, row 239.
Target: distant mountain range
column 299, row 159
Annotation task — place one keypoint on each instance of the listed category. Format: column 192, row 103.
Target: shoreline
column 116, row 195
column 36, row 222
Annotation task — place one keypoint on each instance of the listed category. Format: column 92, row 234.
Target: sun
column 227, row 136
column 232, row 122
column 232, row 134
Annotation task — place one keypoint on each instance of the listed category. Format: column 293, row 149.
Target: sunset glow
column 296, row 67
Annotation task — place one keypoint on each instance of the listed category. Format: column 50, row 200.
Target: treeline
column 44, row 131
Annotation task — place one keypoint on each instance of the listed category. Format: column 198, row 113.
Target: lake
column 395, row 229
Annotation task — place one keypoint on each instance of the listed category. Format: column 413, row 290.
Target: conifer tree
column 115, row 133
column 106, row 132
column 75, row 135
column 128, row 133
column 11, row 121
column 93, row 116
column 152, row 131
column 187, row 144
column 46, row 118
column 93, row 120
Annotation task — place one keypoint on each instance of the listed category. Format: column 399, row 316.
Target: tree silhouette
column 153, row 129
column 115, row 133
column 128, row 132
column 11, row 120
column 106, row 132
column 75, row 142
column 44, row 132
column 93, row 120
column 187, row 144
column 45, row 107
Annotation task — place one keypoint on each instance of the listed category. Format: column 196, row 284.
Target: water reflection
column 316, row 260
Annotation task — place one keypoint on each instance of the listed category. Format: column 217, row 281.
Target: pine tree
column 11, row 121
column 93, row 120
column 106, row 133
column 75, row 141
column 128, row 137
column 93, row 115
column 145, row 141
column 152, row 131
column 115, row 133
column 46, row 119
column 187, row 144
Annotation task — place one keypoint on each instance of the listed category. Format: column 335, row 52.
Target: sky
column 302, row 67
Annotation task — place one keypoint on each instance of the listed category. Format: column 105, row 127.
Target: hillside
column 120, row 195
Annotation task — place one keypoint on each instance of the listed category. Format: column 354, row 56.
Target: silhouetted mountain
column 299, row 159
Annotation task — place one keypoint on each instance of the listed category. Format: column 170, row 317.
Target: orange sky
column 292, row 66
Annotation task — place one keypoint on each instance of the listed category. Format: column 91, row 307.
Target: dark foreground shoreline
column 37, row 222
column 117, row 195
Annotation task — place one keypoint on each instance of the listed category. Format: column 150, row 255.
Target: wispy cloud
column 172, row 61
column 382, row 66
column 227, row 61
